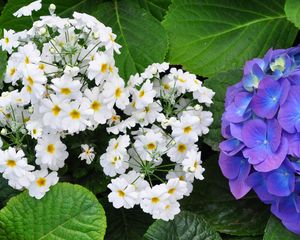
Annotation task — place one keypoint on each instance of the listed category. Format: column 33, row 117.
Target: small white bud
column 142, row 175
column 52, row 50
column 4, row 131
column 95, row 35
column 197, row 107
column 52, row 8
column 30, row 110
column 42, row 31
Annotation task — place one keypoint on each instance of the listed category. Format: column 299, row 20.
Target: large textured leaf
column 212, row 199
column 185, row 226
column 157, row 8
column 209, row 36
column 292, row 10
column 143, row 38
column 276, row 231
column 123, row 224
column 66, row 212
column 219, row 84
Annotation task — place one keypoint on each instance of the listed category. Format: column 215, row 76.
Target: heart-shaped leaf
column 67, row 212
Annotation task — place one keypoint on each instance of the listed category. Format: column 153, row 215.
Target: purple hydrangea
column 261, row 127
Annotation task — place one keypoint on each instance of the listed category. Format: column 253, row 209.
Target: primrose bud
column 3, row 131
column 52, row 8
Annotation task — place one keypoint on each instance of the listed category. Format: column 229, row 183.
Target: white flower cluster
column 58, row 81
column 155, row 155
column 61, row 79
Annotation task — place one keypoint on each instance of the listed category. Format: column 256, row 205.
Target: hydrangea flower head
column 261, row 127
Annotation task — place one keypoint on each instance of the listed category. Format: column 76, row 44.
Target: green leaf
column 292, row 11
column 3, row 59
column 210, row 36
column 158, row 8
column 66, row 212
column 276, row 231
column 6, row 191
column 243, row 238
column 185, row 225
column 126, row 224
column 143, row 39
column 219, row 84
column 212, row 199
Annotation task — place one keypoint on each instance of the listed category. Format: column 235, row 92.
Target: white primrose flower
column 144, row 96
column 114, row 163
column 119, row 145
column 87, row 153
column 52, row 112
column 77, row 116
column 101, row 112
column 204, row 95
column 66, row 87
column 34, row 82
column 114, row 92
column 13, row 73
column 168, row 209
column 153, row 199
column 42, row 183
column 15, row 168
column 27, row 10
column 192, row 164
column 122, row 193
column 186, row 129
column 9, row 41
column 28, row 54
column 101, row 68
column 149, row 145
column 176, row 188
column 51, row 152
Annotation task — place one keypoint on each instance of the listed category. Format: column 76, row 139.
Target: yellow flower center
column 121, row 193
column 30, row 80
column 104, row 67
column 151, row 146
column 181, row 80
column 56, row 110
column 118, row 92
column 29, row 89
column 181, row 178
column 6, row 40
column 11, row 163
column 51, row 148
column 95, row 106
column 42, row 66
column 75, row 114
column 166, row 86
column 181, row 148
column 41, row 182
column 171, row 191
column 12, row 71
column 65, row 91
column 27, row 60
column 155, row 200
column 187, row 129
column 142, row 93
